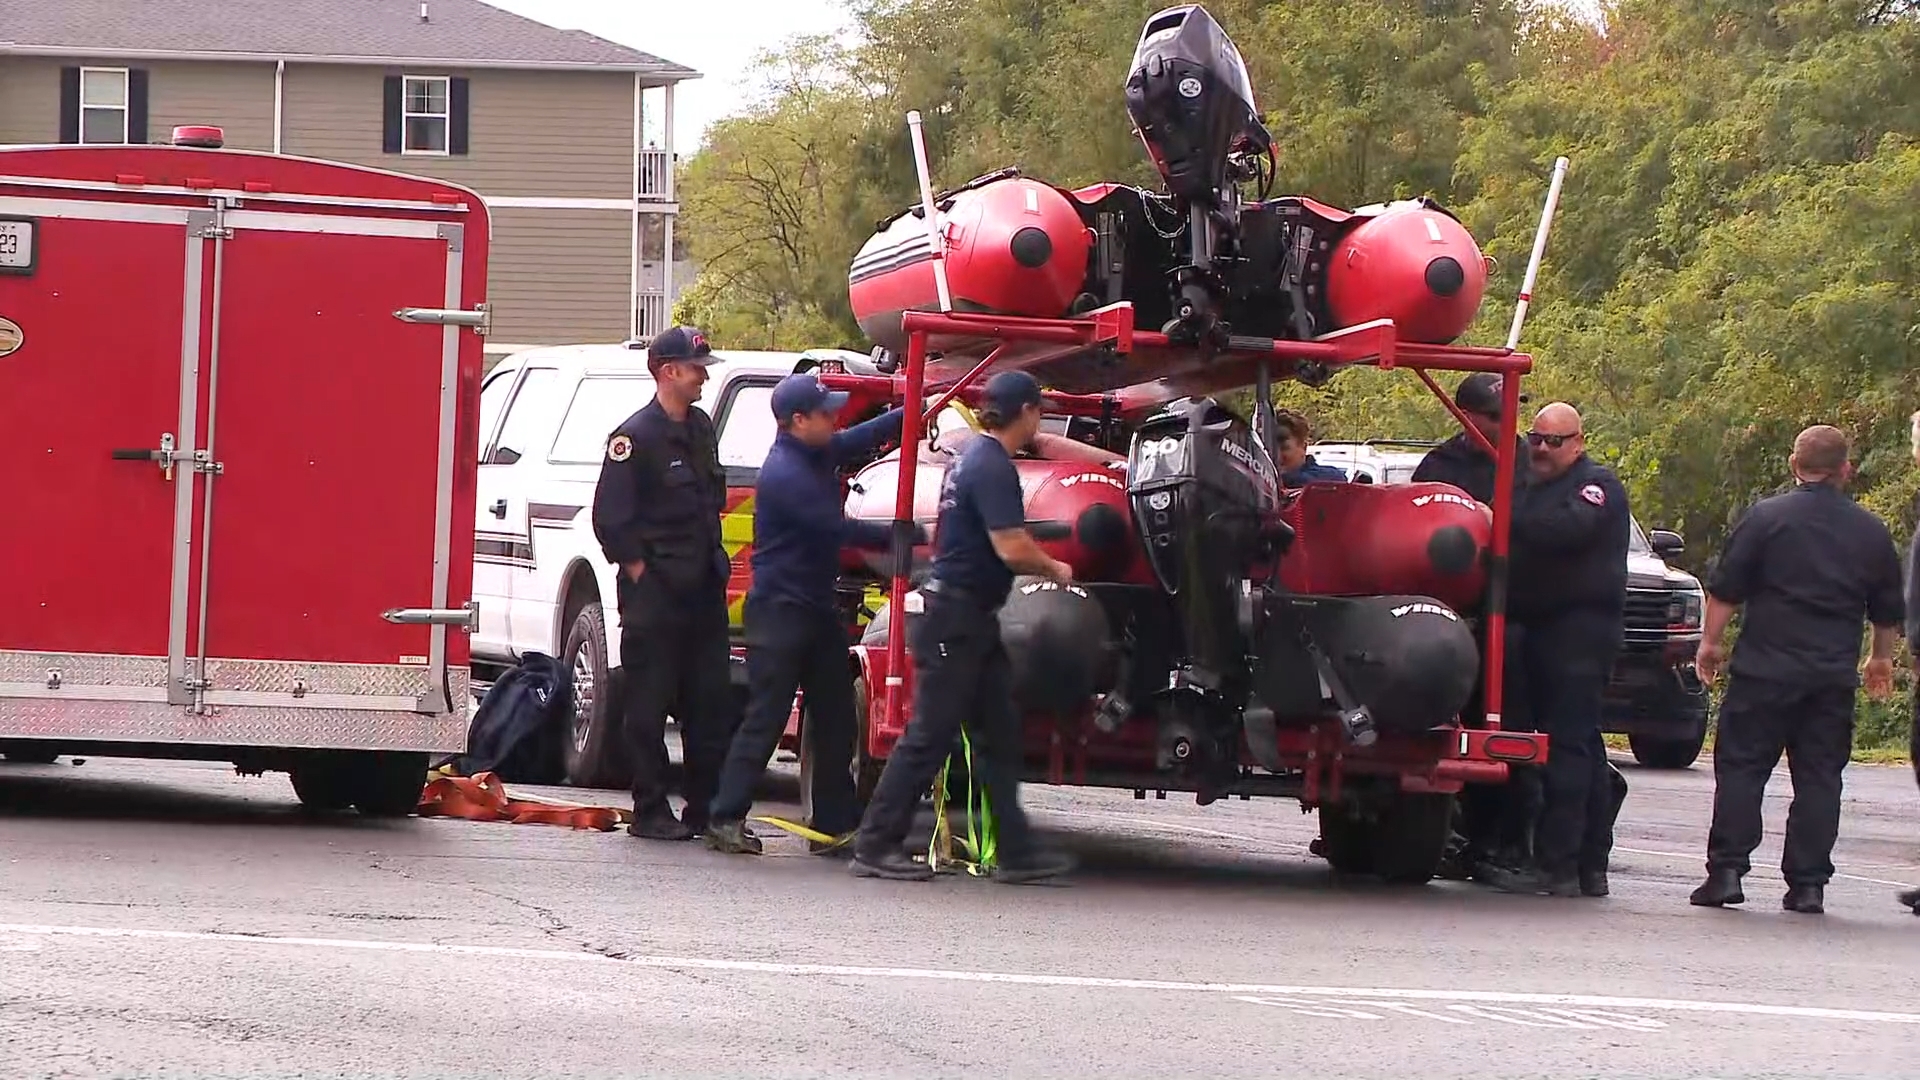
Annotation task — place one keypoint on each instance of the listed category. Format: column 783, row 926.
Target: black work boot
column 1033, row 867
column 1721, row 888
column 1533, row 882
column 1805, row 899
column 1911, row 898
column 659, row 824
column 1593, row 882
column 732, row 838
column 891, row 865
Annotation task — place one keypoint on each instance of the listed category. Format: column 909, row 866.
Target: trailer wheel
column 387, row 783
column 1410, row 837
column 1346, row 839
column 1667, row 753
column 591, row 747
column 323, row 781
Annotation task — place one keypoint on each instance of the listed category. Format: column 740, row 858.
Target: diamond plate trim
column 291, row 728
column 286, row 676
column 83, row 669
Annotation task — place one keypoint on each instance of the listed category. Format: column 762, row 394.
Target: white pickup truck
column 539, row 577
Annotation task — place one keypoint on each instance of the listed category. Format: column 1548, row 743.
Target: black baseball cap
column 805, row 394
column 680, row 343
column 1480, row 393
column 1009, row 392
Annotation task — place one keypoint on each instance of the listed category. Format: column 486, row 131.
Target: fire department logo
column 11, row 336
column 619, row 448
column 1593, row 494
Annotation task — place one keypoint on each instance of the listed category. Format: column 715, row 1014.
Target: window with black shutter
column 425, row 115
column 103, row 105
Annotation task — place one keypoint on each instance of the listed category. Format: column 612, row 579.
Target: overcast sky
column 717, row 38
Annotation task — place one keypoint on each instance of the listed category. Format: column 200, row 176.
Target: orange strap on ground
column 484, row 798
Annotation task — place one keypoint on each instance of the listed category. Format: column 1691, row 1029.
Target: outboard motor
column 1189, row 96
column 1205, row 496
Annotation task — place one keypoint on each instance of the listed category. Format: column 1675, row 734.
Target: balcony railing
column 653, row 310
column 656, row 176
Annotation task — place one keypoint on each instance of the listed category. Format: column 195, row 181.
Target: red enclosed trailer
column 237, row 401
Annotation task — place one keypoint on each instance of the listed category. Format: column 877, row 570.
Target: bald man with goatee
column 1808, row 566
column 1568, row 594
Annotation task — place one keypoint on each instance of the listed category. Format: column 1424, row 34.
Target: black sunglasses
column 1538, row 438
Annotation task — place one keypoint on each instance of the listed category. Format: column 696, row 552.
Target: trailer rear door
column 332, row 429
column 91, row 384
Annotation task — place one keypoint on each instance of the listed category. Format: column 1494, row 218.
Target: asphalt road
column 174, row 920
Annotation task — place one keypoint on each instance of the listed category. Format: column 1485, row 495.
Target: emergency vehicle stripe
column 736, row 536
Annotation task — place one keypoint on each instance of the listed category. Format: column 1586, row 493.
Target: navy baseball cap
column 805, row 394
column 680, row 343
column 1009, row 392
column 1480, row 393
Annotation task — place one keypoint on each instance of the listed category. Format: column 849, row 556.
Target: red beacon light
column 204, row 136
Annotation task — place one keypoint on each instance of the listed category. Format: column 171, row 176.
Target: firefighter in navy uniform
column 656, row 513
column 1808, row 566
column 795, row 637
column 1495, row 820
column 960, row 670
column 1571, row 529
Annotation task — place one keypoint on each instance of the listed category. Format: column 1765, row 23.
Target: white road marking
column 850, row 971
column 1680, row 855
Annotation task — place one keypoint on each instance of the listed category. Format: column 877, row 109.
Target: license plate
column 17, row 245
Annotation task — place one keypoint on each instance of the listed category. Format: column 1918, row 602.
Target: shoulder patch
column 619, row 448
column 1594, row 494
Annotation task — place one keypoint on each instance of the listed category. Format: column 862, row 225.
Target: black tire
column 1346, row 839
column 590, row 743
column 1410, row 837
column 37, row 755
column 323, row 781
column 387, row 783
column 1666, row 753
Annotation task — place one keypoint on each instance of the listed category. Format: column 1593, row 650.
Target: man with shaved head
column 1569, row 587
column 1807, row 566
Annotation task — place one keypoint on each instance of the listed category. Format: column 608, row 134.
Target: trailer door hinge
column 479, row 319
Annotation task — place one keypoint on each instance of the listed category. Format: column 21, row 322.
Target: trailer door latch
column 479, row 319
column 165, row 456
column 467, row 617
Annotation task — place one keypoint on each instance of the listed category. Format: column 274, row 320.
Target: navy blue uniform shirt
column 799, row 525
column 1310, row 471
column 1570, row 537
column 1809, row 564
column 1460, row 461
column 659, row 498
column 980, row 495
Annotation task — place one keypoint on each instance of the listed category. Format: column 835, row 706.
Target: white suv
column 1375, row 461
column 539, row 576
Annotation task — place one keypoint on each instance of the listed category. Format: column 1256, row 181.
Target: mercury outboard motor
column 1189, row 96
column 1205, row 496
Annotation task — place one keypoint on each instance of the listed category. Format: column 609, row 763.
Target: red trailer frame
column 939, row 347
column 300, row 583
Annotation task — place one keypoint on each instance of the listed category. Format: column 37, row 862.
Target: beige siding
column 236, row 97
column 29, row 100
column 531, row 133
column 559, row 277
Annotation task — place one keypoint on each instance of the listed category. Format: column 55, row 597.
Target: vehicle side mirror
column 504, row 455
column 1666, row 543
